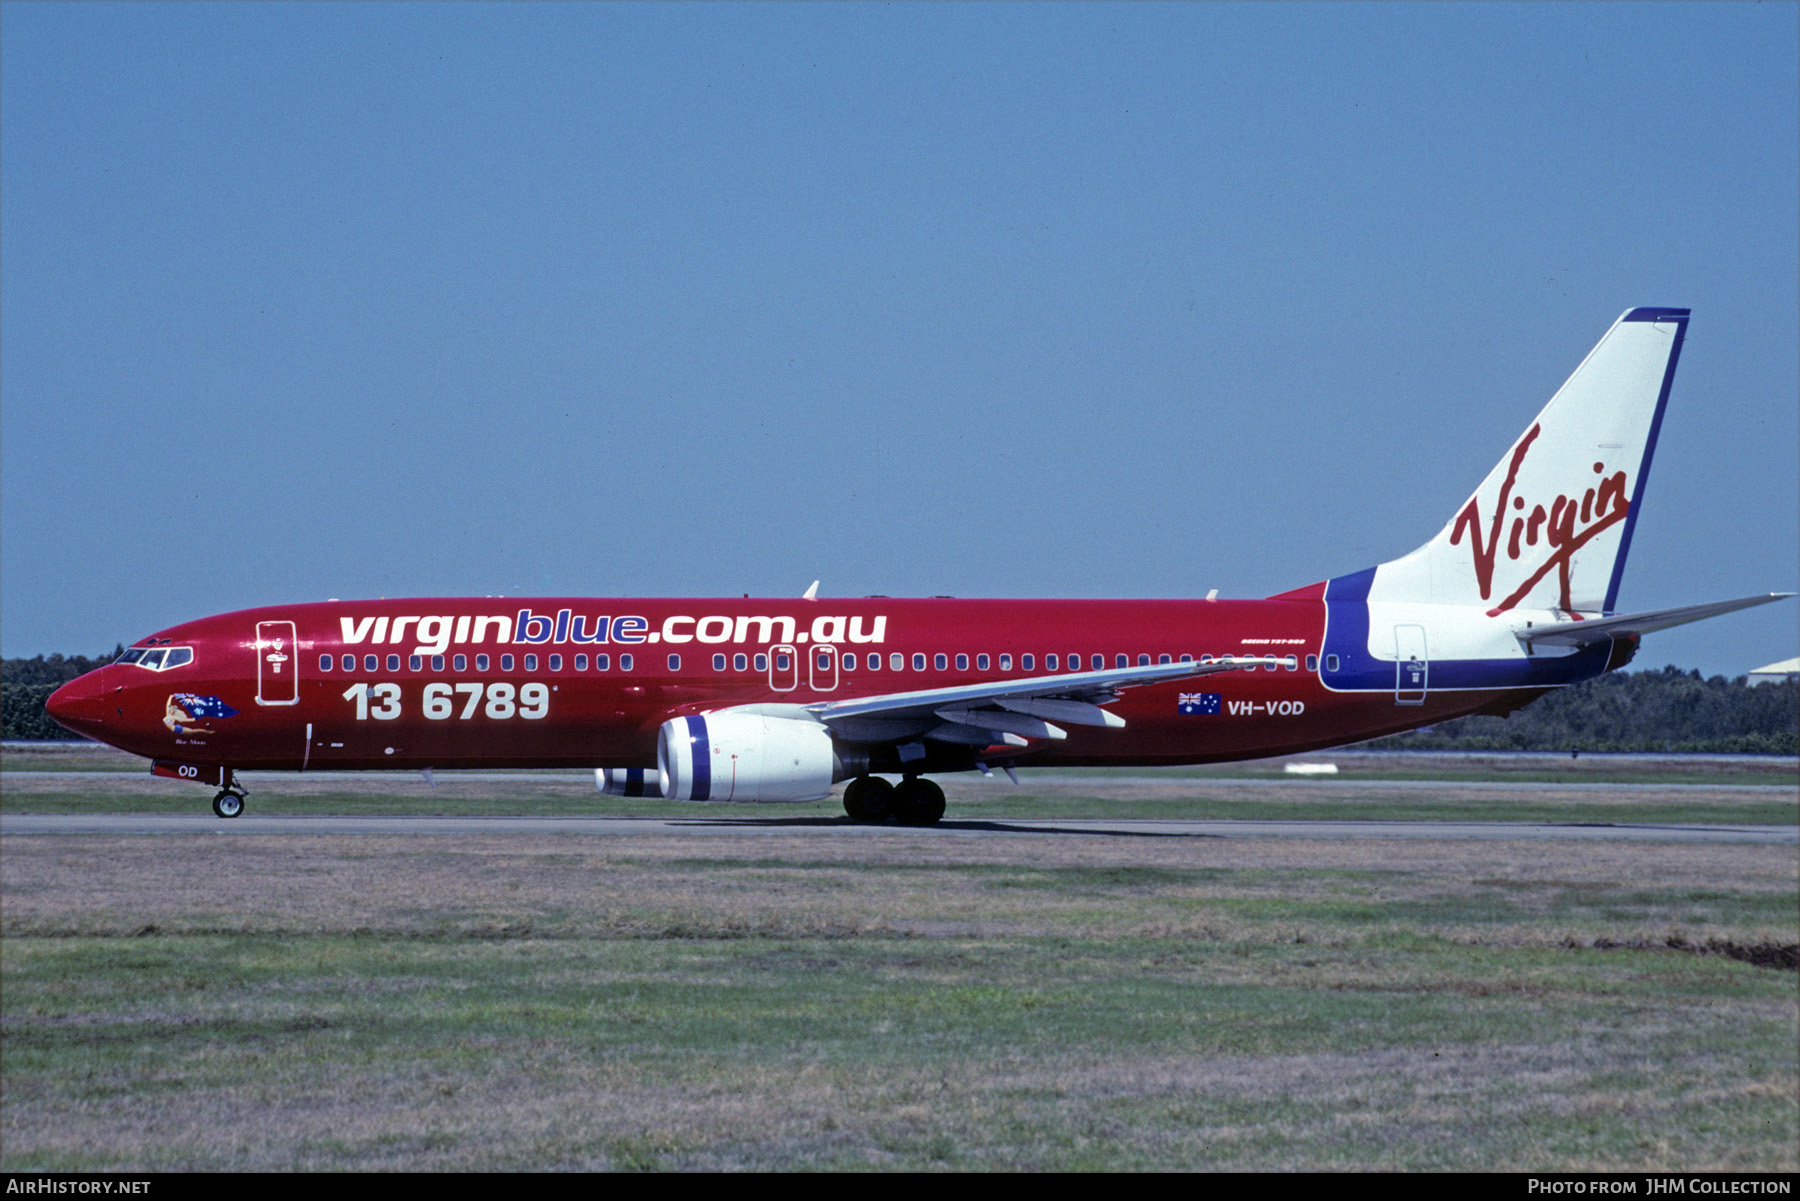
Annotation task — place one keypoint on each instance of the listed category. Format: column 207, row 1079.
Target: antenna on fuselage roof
column 811, row 594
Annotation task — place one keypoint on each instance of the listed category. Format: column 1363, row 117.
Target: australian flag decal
column 203, row 706
column 1198, row 704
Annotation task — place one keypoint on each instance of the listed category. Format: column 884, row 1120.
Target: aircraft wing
column 1003, row 712
column 1598, row 629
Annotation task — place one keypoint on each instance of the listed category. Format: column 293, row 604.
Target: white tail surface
column 1550, row 526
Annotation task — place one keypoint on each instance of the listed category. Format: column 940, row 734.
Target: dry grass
column 816, row 1000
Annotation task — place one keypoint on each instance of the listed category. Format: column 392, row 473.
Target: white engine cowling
column 731, row 756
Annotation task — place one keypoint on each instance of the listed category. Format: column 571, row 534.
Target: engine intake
column 740, row 756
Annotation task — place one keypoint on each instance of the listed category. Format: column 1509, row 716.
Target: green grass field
column 357, row 1002
column 828, row 1000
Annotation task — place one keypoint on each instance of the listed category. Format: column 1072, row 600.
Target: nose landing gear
column 230, row 800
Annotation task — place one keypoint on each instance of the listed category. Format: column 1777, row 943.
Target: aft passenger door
column 1412, row 669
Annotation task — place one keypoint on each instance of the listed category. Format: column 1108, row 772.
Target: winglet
column 811, row 594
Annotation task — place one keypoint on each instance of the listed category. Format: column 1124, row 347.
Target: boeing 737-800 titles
column 759, row 700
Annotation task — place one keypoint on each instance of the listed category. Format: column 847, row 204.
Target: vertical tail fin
column 1550, row 526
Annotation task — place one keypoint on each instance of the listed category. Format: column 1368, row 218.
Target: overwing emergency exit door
column 784, row 668
column 824, row 663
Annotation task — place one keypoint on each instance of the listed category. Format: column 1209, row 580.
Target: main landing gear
column 916, row 801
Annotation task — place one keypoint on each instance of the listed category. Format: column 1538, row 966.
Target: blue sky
column 301, row 301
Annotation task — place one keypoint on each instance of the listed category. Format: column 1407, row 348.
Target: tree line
column 25, row 684
column 1667, row 710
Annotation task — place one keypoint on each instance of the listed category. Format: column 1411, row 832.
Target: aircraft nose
column 80, row 705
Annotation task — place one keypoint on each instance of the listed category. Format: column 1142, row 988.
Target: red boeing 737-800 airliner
column 758, row 700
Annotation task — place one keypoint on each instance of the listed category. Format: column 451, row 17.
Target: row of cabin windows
column 482, row 662
column 848, row 661
column 941, row 662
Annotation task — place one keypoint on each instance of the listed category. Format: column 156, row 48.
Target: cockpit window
column 159, row 658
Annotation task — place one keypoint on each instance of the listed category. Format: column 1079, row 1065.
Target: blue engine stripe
column 702, row 761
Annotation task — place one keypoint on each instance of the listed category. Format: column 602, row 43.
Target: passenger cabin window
column 461, row 662
column 555, row 662
column 1331, row 662
column 1049, row 662
column 530, row 662
column 1162, row 658
column 1291, row 663
column 962, row 662
column 940, row 662
column 415, row 662
column 896, row 662
column 1100, row 662
column 674, row 662
column 506, row 662
column 371, row 663
column 1121, row 660
column 1025, row 661
column 325, row 662
column 437, row 662
column 481, row 662
column 1144, row 660
column 718, row 662
column 849, row 663
column 981, row 662
column 1312, row 662
column 580, row 662
column 762, row 663
column 625, row 663
column 918, row 662
column 602, row 662
column 1005, row 662
column 739, row 662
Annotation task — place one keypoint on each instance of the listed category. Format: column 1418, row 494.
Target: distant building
column 1776, row 673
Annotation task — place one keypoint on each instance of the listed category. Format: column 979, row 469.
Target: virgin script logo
column 1599, row 508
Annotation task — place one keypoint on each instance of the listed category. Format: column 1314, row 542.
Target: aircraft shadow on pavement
column 963, row 825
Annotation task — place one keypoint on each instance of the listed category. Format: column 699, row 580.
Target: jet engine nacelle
column 745, row 756
column 628, row 781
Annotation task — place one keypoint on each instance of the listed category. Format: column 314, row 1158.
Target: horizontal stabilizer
column 1598, row 629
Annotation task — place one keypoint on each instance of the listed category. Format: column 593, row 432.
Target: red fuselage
column 573, row 682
